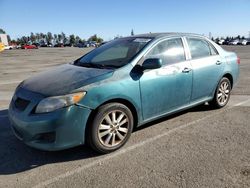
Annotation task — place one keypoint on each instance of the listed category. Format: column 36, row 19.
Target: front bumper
column 61, row 129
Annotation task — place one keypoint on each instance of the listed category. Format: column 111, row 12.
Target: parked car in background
column 44, row 45
column 240, row 41
column 234, row 42
column 36, row 44
column 226, row 42
column 246, row 42
column 221, row 41
column 80, row 45
column 59, row 45
column 67, row 45
column 84, row 45
column 29, row 46
column 100, row 97
column 92, row 43
column 8, row 47
column 18, row 46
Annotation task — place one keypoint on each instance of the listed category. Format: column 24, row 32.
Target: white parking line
column 242, row 103
column 10, row 82
column 130, row 148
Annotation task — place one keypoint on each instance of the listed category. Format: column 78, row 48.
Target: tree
column 55, row 38
column 49, row 37
column 43, row 36
column 64, row 38
column 95, row 38
column 2, row 31
column 18, row 41
column 132, row 32
column 24, row 39
column 37, row 37
column 13, row 41
column 8, row 38
column 99, row 40
column 59, row 38
column 32, row 37
column 77, row 39
column 72, row 39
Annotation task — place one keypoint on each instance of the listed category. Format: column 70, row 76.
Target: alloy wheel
column 113, row 128
column 223, row 93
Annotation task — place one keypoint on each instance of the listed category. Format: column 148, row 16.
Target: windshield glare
column 114, row 54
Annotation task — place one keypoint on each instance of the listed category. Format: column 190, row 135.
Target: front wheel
column 222, row 93
column 111, row 128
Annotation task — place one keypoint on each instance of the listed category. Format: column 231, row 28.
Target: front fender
column 120, row 86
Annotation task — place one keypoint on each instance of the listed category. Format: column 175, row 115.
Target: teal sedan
column 101, row 97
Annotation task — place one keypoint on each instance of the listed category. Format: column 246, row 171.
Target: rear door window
column 198, row 48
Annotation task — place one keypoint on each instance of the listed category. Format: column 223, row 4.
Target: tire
column 222, row 93
column 111, row 128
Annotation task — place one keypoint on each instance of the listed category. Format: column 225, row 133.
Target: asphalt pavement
column 200, row 147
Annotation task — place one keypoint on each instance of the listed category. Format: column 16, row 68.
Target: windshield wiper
column 95, row 65
column 90, row 65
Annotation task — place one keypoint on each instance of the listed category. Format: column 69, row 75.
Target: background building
column 4, row 39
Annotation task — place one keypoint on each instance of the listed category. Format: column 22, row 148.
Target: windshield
column 114, row 54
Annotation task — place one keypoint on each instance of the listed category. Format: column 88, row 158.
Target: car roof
column 161, row 35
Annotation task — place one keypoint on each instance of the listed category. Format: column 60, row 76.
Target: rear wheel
column 222, row 93
column 111, row 128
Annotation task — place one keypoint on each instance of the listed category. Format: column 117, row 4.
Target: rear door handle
column 186, row 70
column 218, row 62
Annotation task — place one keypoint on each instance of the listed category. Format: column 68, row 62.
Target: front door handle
column 186, row 70
column 218, row 62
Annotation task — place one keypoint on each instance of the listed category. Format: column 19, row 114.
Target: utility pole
column 132, row 32
column 210, row 35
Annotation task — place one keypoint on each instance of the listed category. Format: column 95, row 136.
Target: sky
column 110, row 18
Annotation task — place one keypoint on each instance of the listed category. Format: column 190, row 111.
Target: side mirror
column 153, row 63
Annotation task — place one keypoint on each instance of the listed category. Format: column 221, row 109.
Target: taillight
column 238, row 60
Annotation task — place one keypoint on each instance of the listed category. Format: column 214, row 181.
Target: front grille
column 21, row 104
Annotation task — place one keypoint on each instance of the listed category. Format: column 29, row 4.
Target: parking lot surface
column 200, row 147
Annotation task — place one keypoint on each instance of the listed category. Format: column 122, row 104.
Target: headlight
column 53, row 103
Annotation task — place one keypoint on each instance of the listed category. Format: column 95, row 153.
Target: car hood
column 64, row 79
